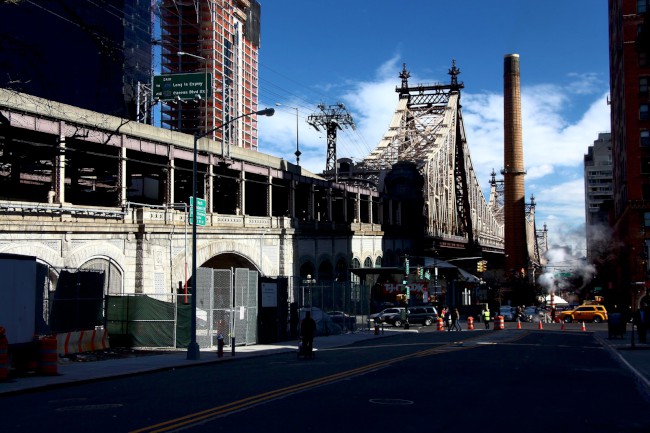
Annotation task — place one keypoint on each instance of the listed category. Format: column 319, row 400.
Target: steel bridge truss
column 427, row 129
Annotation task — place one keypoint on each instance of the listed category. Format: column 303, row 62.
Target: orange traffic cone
column 540, row 325
column 562, row 327
column 518, row 324
column 583, row 326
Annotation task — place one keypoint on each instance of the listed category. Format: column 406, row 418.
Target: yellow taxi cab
column 584, row 313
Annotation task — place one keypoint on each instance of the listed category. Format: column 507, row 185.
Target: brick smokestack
column 513, row 174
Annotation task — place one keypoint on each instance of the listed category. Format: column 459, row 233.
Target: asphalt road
column 449, row 382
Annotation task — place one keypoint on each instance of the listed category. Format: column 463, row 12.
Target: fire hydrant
column 220, row 344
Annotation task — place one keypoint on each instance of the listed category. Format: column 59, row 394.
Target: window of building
column 641, row 6
column 643, row 58
column 645, row 165
column 643, row 85
column 646, row 218
column 645, row 138
column 644, row 112
column 645, row 190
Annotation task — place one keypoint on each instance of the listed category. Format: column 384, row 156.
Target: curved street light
column 193, row 351
column 297, row 152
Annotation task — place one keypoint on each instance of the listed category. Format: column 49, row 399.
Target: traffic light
column 481, row 265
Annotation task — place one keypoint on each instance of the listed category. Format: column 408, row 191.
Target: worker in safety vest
column 486, row 317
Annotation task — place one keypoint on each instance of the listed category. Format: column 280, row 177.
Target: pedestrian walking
column 486, row 317
column 553, row 313
column 455, row 325
column 307, row 333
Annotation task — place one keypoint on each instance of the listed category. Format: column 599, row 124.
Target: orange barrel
column 499, row 323
column 470, row 323
column 440, row 326
column 47, row 356
column 4, row 355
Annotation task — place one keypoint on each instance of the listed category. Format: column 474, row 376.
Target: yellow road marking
column 251, row 401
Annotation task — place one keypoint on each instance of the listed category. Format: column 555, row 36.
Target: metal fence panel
column 223, row 303
column 251, row 315
column 204, row 302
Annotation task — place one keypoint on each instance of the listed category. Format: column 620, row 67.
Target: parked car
column 344, row 320
column 584, row 313
column 383, row 315
column 424, row 315
column 535, row 314
column 507, row 312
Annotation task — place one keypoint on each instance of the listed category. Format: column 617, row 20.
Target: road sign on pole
column 170, row 87
column 200, row 211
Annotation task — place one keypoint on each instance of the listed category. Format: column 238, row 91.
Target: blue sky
column 352, row 52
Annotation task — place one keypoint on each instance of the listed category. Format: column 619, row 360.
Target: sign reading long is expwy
column 170, row 87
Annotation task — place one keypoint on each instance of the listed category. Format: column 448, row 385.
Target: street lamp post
column 297, row 152
column 193, row 347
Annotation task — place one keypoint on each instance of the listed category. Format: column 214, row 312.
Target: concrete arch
column 110, row 281
column 325, row 269
column 208, row 251
column 95, row 249
column 36, row 249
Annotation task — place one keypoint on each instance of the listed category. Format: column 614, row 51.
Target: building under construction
column 221, row 39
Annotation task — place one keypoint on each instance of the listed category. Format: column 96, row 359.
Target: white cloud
column 584, row 84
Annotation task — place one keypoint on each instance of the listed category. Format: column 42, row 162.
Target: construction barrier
column 48, row 357
column 518, row 324
column 470, row 323
column 583, row 326
column 4, row 355
column 540, row 325
column 82, row 341
column 440, row 324
column 499, row 323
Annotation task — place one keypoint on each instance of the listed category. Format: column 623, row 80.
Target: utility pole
column 331, row 118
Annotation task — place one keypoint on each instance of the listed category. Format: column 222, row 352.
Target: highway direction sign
column 200, row 211
column 170, row 87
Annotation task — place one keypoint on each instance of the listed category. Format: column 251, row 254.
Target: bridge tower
column 516, row 249
column 331, row 118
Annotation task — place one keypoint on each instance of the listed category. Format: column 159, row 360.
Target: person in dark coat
column 307, row 332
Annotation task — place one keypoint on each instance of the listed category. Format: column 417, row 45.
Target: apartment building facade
column 221, row 39
column 629, row 34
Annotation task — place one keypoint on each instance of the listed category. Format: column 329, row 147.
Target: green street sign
column 200, row 211
column 170, row 87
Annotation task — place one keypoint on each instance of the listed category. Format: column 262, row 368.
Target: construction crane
column 331, row 118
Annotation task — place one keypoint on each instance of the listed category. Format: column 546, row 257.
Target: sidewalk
column 636, row 359
column 78, row 372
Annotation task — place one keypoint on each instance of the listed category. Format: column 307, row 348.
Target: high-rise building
column 598, row 179
column 598, row 192
column 629, row 46
column 90, row 54
column 220, row 38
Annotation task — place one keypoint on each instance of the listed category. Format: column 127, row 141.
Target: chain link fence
column 349, row 303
